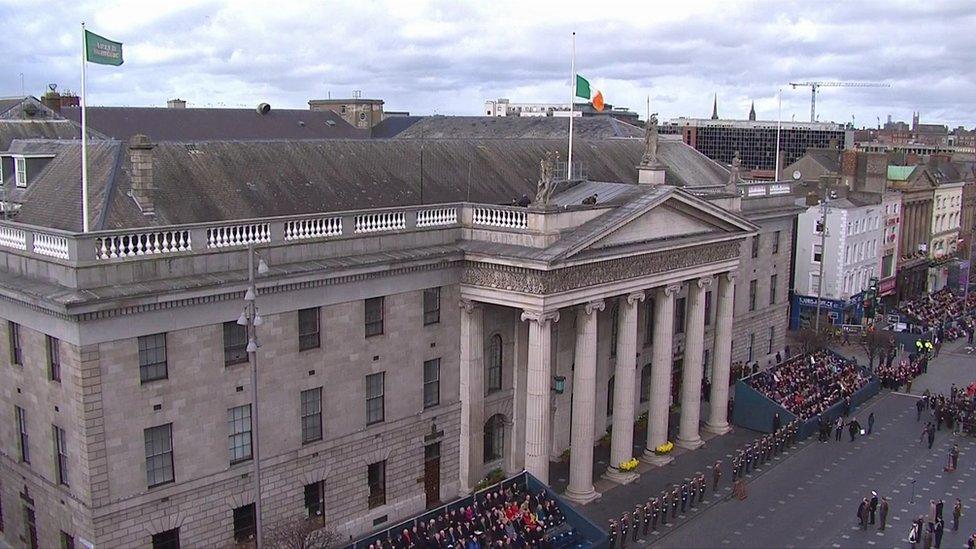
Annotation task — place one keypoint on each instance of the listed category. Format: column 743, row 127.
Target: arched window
column 645, row 386
column 610, row 397
column 493, row 363
column 494, row 438
column 614, row 317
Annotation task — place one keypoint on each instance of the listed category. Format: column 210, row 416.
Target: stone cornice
column 521, row 279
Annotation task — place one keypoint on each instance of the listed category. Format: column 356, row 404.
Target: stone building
column 406, row 349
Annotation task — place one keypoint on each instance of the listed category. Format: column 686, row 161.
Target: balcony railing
column 136, row 243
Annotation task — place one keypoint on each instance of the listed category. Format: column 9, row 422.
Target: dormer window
column 20, row 171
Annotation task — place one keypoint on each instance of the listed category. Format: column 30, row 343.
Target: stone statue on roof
column 650, row 142
column 547, row 179
column 734, row 177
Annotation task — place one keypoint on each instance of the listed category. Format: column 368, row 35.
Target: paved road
column 809, row 497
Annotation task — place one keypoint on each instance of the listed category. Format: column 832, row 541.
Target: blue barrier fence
column 587, row 533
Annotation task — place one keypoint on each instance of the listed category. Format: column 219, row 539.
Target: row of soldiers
column 646, row 517
column 764, row 449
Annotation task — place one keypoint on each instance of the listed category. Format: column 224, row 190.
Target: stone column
column 718, row 420
column 472, row 392
column 662, row 358
column 580, row 487
column 538, row 384
column 516, row 457
column 691, row 378
column 622, row 435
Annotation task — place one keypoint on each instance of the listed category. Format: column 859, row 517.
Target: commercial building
column 505, row 107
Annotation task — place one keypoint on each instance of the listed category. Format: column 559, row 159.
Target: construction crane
column 816, row 85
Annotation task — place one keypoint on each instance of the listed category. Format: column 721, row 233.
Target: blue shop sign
column 830, row 304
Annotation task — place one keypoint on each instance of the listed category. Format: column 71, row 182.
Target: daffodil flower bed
column 664, row 448
column 629, row 465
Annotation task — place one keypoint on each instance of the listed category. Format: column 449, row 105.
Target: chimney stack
column 141, row 173
column 176, row 104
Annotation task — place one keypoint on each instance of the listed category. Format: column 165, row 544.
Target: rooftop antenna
column 357, row 94
column 22, row 92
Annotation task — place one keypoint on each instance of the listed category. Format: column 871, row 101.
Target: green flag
column 582, row 87
column 101, row 50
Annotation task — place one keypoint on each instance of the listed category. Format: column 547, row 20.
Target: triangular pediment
column 671, row 215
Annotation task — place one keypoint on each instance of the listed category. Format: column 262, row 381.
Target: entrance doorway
column 432, row 474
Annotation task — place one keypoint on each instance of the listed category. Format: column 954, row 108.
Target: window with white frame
column 20, row 171
column 239, row 433
column 817, row 253
column 814, row 283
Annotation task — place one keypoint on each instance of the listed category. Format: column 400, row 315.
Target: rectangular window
column 239, row 433
column 315, row 499
column 374, row 316
column 23, row 442
column 752, row 345
column 235, row 343
column 311, row 415
column 753, row 288
column 819, row 226
column 53, row 359
column 679, row 315
column 814, row 283
column 817, row 253
column 772, row 289
column 152, row 358
column 20, row 172
column 432, row 306
column 376, row 477
column 887, row 265
column 159, row 455
column 244, row 523
column 61, row 453
column 776, row 237
column 308, row 329
column 374, row 398
column 649, row 322
column 708, row 308
column 170, row 539
column 16, row 352
column 67, row 541
column 772, row 336
column 432, row 382
column 755, row 246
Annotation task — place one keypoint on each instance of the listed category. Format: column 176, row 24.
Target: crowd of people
column 506, row 516
column 956, row 410
column 807, row 385
column 943, row 313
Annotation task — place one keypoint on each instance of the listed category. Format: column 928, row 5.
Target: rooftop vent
column 264, row 108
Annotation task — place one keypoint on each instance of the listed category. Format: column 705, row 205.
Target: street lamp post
column 251, row 320
column 824, row 210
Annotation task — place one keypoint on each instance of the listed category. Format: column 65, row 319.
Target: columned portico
column 660, row 398
column 580, row 487
column 718, row 418
column 622, row 434
column 537, row 392
column 691, row 379
column 472, row 389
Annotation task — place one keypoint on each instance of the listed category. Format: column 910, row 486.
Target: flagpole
column 572, row 99
column 84, row 137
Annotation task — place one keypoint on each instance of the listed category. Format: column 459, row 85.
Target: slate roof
column 229, row 179
column 11, row 130
column 512, row 127
column 829, row 159
column 7, row 103
column 165, row 124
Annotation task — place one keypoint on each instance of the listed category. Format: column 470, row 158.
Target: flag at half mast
column 101, row 50
column 583, row 90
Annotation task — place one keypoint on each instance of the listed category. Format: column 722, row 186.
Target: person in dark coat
column 939, row 530
column 956, row 513
column 939, row 506
column 862, row 514
column 870, row 422
column 883, row 513
column 776, row 423
column 853, row 428
column 874, row 506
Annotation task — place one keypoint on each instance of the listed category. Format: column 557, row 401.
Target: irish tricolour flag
column 583, row 90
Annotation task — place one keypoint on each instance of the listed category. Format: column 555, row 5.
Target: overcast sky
column 449, row 57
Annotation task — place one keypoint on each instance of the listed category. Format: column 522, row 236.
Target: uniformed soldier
column 664, row 508
column 613, row 533
column 701, row 487
column 637, row 522
column 748, row 459
column 648, row 511
column 735, row 467
column 692, row 491
column 624, row 528
column 675, row 500
column 684, row 496
column 655, row 510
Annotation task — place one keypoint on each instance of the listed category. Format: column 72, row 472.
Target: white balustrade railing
column 238, row 235
column 13, row 238
column 380, row 221
column 756, row 190
column 320, row 227
column 147, row 243
column 436, row 217
column 51, row 245
column 779, row 188
column 496, row 217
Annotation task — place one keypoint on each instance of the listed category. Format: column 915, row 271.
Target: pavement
column 808, row 497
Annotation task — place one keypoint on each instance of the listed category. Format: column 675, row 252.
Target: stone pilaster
column 622, row 435
column 660, row 398
column 718, row 420
column 472, row 392
column 691, row 380
column 580, row 487
column 537, row 392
